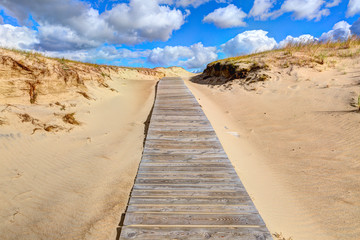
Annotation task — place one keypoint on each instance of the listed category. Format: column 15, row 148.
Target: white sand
column 74, row 185
column 295, row 143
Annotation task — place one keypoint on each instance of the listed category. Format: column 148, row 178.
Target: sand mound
column 71, row 138
column 294, row 138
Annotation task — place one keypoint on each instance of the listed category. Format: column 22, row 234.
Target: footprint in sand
column 12, row 217
column 18, row 174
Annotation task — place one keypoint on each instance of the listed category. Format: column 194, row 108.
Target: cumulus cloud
column 333, row 3
column 193, row 3
column 101, row 53
column 129, row 23
column 249, row 42
column 227, row 17
column 303, row 39
column 144, row 20
column 304, row 9
column 340, row 32
column 194, row 57
column 57, row 37
column 17, row 37
column 261, row 9
column 353, row 8
column 355, row 28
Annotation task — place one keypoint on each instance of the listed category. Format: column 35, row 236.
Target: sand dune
column 295, row 142
column 69, row 177
column 75, row 185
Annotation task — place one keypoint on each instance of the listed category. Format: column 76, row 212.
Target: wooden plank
column 187, row 175
column 162, row 117
column 185, row 164
column 213, row 187
column 190, row 201
column 191, row 193
column 237, row 209
column 192, row 219
column 179, row 156
column 195, row 233
column 185, row 181
column 183, row 168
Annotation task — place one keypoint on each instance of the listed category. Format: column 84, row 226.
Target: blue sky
column 188, row 33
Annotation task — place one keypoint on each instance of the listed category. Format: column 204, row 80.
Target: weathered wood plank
column 208, row 156
column 196, row 233
column 185, row 181
column 190, row 201
column 211, row 187
column 191, row 193
column 192, row 219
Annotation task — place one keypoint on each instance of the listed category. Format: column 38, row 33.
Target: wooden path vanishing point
column 186, row 187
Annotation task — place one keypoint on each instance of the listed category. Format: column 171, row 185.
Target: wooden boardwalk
column 186, row 187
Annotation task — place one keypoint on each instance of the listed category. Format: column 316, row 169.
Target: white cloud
column 334, row 3
column 303, row 39
column 227, row 17
column 169, row 54
column 193, row 3
column 355, row 28
column 249, row 42
column 144, row 20
column 353, row 8
column 57, row 37
column 261, row 9
column 304, row 9
column 340, row 32
column 201, row 56
column 129, row 23
column 17, row 37
column 194, row 57
column 101, row 53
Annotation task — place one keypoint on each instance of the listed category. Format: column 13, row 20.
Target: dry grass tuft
column 63, row 107
column 279, row 236
column 69, row 118
column 25, row 117
column 85, row 95
column 51, row 128
column 3, row 121
column 33, row 91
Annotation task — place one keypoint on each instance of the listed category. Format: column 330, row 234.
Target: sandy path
column 74, row 185
column 295, row 145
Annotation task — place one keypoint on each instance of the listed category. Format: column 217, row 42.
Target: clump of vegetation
column 25, row 117
column 85, row 95
column 69, row 118
column 33, row 90
column 2, row 121
column 280, row 236
column 63, row 107
column 51, row 128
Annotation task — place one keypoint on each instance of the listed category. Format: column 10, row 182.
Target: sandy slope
column 295, row 143
column 58, row 179
column 74, row 185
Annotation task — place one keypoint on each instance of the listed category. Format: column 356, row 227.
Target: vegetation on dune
column 36, row 75
column 252, row 68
